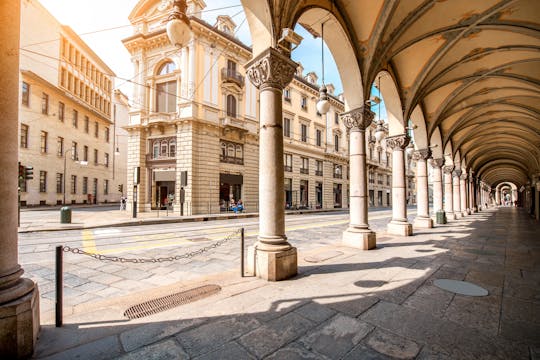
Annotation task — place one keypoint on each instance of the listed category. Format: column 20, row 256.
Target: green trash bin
column 441, row 217
column 65, row 215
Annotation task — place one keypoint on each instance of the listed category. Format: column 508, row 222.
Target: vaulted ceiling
column 472, row 66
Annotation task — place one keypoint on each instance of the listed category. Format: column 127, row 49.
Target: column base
column 451, row 216
column 272, row 265
column 399, row 228
column 458, row 215
column 465, row 213
column 19, row 325
column 423, row 222
column 364, row 239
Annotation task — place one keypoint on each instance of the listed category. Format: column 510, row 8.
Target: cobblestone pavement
column 345, row 303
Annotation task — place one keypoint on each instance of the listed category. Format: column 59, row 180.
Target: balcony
column 304, row 171
column 287, row 168
column 232, row 122
column 160, row 159
column 231, row 160
column 337, row 176
column 318, row 173
column 229, row 75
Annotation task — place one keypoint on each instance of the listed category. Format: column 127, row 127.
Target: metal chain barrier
column 188, row 255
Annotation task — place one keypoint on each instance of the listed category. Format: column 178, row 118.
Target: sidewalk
column 344, row 304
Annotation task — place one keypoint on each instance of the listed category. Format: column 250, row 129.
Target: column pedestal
column 272, row 265
column 402, row 228
column 360, row 238
column 424, row 223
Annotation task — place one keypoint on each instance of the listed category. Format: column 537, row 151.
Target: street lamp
column 178, row 28
column 323, row 105
column 65, row 164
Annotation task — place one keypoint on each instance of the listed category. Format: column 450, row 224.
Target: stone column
column 19, row 298
column 272, row 258
column 448, row 192
column 463, row 193
column 472, row 203
column 457, row 193
column 399, row 224
column 436, row 165
column 498, row 196
column 422, row 220
column 358, row 233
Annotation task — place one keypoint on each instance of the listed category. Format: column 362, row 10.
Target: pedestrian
column 239, row 206
column 123, row 201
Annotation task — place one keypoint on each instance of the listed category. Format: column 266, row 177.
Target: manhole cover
column 170, row 301
column 460, row 287
column 323, row 256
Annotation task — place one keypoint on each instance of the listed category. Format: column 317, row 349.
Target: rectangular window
column 85, row 153
column 75, row 118
column 303, row 103
column 61, row 111
column 303, row 132
column 336, row 142
column 106, row 187
column 287, row 159
column 230, row 152
column 318, row 137
column 60, row 146
column 45, row 104
column 287, row 127
column 85, row 185
column 95, row 157
column 166, row 97
column 336, row 118
column 73, row 184
column 287, row 95
column 388, row 179
column 86, row 124
column 319, row 171
column 106, row 160
column 95, row 186
column 25, row 100
column 43, row 142
column 42, row 181
column 63, row 77
column 305, row 166
column 96, row 129
column 107, row 134
column 338, row 171
column 59, row 183
column 24, row 136
column 74, row 155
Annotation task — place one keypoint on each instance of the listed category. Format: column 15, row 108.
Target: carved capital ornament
column 271, row 69
column 456, row 173
column 437, row 163
column 422, row 154
column 398, row 141
column 357, row 119
column 448, row 169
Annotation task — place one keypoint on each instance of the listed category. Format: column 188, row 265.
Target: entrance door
column 371, row 198
column 379, row 198
column 337, row 196
column 303, row 194
column 318, row 195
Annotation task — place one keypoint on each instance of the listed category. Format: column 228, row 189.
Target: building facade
column 193, row 128
column 66, row 116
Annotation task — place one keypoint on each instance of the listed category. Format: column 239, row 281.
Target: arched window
column 167, row 68
column 223, row 150
column 172, row 148
column 231, row 106
column 166, row 91
column 230, row 150
column 239, row 152
column 164, row 147
column 155, row 149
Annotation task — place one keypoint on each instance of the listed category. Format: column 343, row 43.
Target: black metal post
column 242, row 252
column 135, row 201
column 59, row 285
column 19, row 205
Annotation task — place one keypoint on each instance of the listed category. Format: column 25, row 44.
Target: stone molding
column 398, row 141
column 464, row 176
column 456, row 173
column 422, row 154
column 357, row 119
column 447, row 169
column 271, row 69
column 437, row 163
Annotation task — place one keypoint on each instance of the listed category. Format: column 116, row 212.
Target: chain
column 188, row 255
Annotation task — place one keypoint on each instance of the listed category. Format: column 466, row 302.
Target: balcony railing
column 337, row 176
column 151, row 157
column 318, row 172
column 304, row 171
column 232, row 76
column 287, row 168
column 231, row 160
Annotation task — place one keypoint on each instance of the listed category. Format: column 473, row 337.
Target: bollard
column 242, row 252
column 59, row 285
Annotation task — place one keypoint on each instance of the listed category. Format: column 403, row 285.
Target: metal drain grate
column 170, row 301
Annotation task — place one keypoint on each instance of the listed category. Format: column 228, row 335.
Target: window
column 231, row 106
column 336, row 142
column 96, row 129
column 61, row 111
column 371, row 178
column 85, row 153
column 337, row 171
column 24, row 136
column 95, row 186
column 305, row 166
column 287, row 95
column 172, row 148
column 379, row 179
column 319, row 171
column 60, row 146
column 95, row 157
column 107, row 134
column 370, row 153
column 59, row 183
column 74, row 154
column 43, row 142
column 45, row 104
column 287, row 127
column 232, row 153
column 75, row 119
column 86, row 124
column 73, row 184
column 42, row 181
column 303, row 132
column 379, row 155
column 287, row 159
column 63, row 77
column 85, row 185
column 166, row 97
column 164, row 152
column 25, row 100
column 303, row 103
column 106, row 160
column 388, row 179
column 387, row 159
column 106, row 187
column 167, row 68
column 336, row 118
column 318, row 137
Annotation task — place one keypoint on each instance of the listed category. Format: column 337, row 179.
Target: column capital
column 437, row 163
column 464, row 175
column 457, row 173
column 447, row 169
column 271, row 69
column 357, row 119
column 422, row 154
column 398, row 141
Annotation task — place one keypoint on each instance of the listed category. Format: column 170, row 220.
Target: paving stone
column 165, row 350
column 393, row 345
column 271, row 336
column 132, row 274
column 150, row 333
column 207, row 337
column 230, row 351
column 295, row 351
column 105, row 348
column 315, row 312
column 337, row 336
column 105, row 278
column 515, row 309
column 520, row 331
column 74, row 280
column 471, row 312
column 431, row 299
column 354, row 307
column 365, row 353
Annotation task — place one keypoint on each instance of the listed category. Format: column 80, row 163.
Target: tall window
column 337, row 171
column 379, row 155
column 287, row 95
column 106, row 187
column 106, row 160
column 95, row 157
column 96, row 129
column 25, row 94
column 85, row 153
column 24, row 136
column 336, row 118
column 59, row 183
column 107, row 134
column 45, row 104
column 305, row 166
column 75, row 119
column 42, row 181
column 86, row 124
column 166, row 97
column 319, row 171
column 85, row 185
column 74, row 154
column 287, row 127
column 287, row 159
column 303, row 132
column 336, row 142
column 303, row 103
column 318, row 137
column 60, row 146
column 232, row 153
column 61, row 111
column 73, row 184
column 44, row 142
column 231, row 106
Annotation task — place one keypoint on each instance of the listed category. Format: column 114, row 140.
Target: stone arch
column 392, row 103
column 436, row 143
column 259, row 18
column 163, row 62
column 418, row 121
